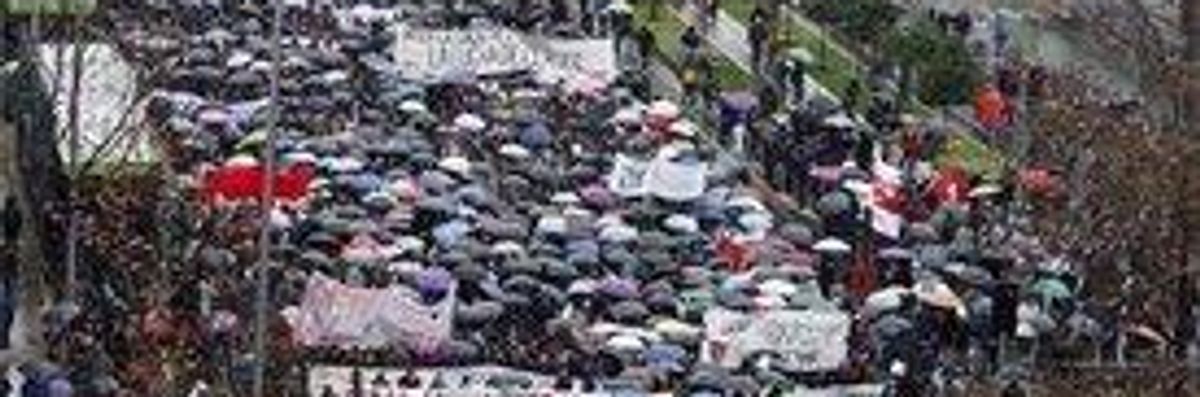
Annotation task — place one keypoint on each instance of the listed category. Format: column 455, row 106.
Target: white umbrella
column 239, row 59
column 335, row 76
column 681, row 223
column 242, row 160
column 214, row 116
column 663, row 109
column 618, row 233
column 260, row 66
column 672, row 328
column 625, row 343
column 746, row 202
column 683, row 128
column 755, row 221
column 300, row 158
column 840, row 120
column 410, row 244
column 470, row 122
column 280, row 220
column 582, row 287
column 604, row 329
column 342, row 164
column 507, row 247
column 456, row 164
column 405, row 189
column 769, row 302
column 627, row 116
column 379, row 196
column 778, row 287
column 984, row 191
column 565, row 198
column 831, row 245
column 885, row 299
column 413, row 106
column 620, row 7
column 938, row 294
column 514, row 151
column 552, row 225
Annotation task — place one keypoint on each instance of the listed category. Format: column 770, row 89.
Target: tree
column 1191, row 26
column 946, row 72
column 1131, row 196
column 1158, row 38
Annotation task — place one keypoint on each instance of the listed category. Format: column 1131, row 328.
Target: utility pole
column 267, row 202
column 1190, row 12
column 73, row 161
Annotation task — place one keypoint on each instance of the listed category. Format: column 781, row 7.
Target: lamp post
column 267, row 203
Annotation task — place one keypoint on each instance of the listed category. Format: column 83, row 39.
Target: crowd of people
column 499, row 194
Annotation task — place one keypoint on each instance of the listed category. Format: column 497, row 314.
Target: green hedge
column 946, row 72
column 865, row 21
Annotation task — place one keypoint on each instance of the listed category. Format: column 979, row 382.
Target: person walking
column 8, row 269
column 757, row 37
column 12, row 220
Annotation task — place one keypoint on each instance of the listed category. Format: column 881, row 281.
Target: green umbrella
column 697, row 300
column 834, row 203
column 1051, row 289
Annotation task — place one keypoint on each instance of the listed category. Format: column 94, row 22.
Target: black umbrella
column 479, row 313
column 248, row 27
column 321, row 240
column 522, row 266
column 629, row 312
column 470, row 272
column 200, row 56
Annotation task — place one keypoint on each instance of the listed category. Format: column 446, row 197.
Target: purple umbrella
column 434, row 282
column 621, row 288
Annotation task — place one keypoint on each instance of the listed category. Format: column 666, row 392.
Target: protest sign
column 435, row 54
column 334, row 314
column 670, row 178
column 806, row 340
column 626, row 176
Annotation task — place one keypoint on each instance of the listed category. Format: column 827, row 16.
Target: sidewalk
column 25, row 329
column 728, row 36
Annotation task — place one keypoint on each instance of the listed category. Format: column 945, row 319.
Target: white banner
column 429, row 54
column 808, row 340
column 673, row 180
column 333, row 314
column 661, row 177
column 479, row 381
column 626, row 176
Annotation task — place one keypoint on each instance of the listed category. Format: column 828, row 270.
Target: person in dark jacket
column 12, row 220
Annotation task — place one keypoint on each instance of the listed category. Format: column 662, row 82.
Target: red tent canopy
column 245, row 182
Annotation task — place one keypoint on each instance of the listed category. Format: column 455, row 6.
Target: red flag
column 991, row 109
column 246, row 183
column 733, row 254
column 887, row 205
column 888, row 197
column 862, row 278
column 1038, row 181
column 950, row 185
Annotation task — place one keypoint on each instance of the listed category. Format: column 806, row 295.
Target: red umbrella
column 991, row 109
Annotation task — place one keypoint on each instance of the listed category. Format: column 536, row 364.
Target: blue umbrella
column 536, row 136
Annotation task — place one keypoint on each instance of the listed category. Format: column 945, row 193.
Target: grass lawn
column 973, row 155
column 830, row 67
column 739, row 9
column 668, row 28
